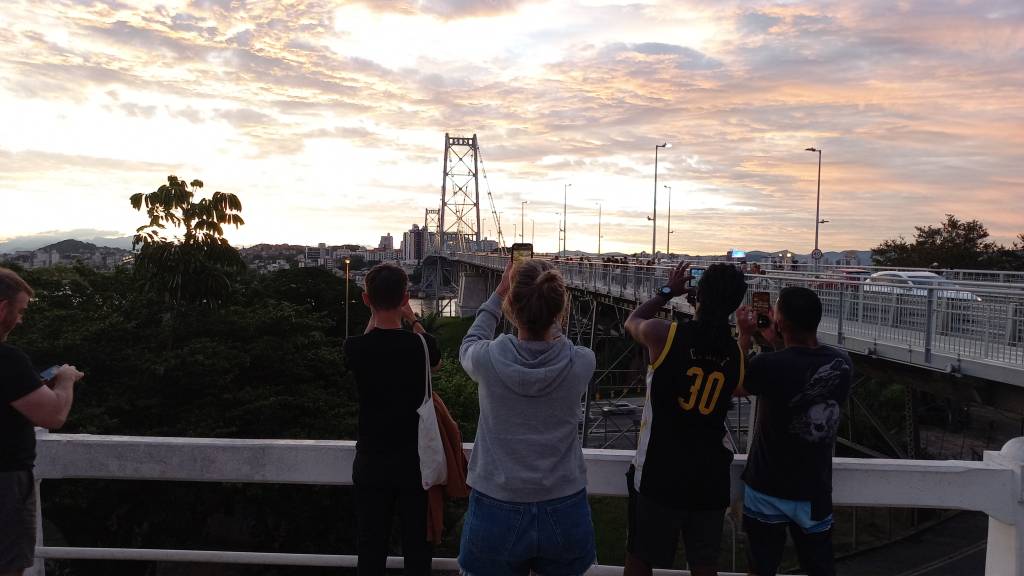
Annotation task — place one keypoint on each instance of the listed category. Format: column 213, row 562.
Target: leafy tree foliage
column 954, row 243
column 198, row 266
column 266, row 363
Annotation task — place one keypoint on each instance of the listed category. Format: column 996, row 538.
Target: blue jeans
column 551, row 538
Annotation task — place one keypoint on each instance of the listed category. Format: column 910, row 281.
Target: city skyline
column 330, row 130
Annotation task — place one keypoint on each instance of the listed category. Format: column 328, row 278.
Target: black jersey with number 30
column 682, row 459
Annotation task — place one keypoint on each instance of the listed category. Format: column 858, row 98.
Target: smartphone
column 696, row 272
column 761, row 302
column 522, row 251
column 49, row 373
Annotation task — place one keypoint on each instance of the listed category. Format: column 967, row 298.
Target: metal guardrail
column 973, row 328
column 992, row 486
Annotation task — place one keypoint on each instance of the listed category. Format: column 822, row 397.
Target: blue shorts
column 551, row 538
column 767, row 519
column 772, row 510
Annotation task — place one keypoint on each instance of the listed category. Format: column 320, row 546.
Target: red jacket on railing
column 451, row 440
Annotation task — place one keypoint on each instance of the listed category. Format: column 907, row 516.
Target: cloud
column 452, row 9
column 682, row 57
column 917, row 110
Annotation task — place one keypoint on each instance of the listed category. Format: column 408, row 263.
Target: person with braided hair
column 528, row 510
column 679, row 480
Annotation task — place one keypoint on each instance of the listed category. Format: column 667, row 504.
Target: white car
column 622, row 409
column 916, row 284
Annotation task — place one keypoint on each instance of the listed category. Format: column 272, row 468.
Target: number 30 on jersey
column 708, row 389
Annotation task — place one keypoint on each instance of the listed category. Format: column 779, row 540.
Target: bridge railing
column 993, row 486
column 937, row 325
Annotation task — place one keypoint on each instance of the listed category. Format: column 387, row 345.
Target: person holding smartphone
column 27, row 401
column 801, row 388
column 679, row 480
column 528, row 510
column 390, row 372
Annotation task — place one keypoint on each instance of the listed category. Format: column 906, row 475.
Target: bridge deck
column 977, row 330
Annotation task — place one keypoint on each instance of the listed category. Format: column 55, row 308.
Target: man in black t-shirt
column 679, row 481
column 390, row 376
column 800, row 392
column 25, row 401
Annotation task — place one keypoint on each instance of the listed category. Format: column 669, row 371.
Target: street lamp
column 565, row 211
column 654, row 220
column 817, row 210
column 558, row 234
column 347, row 262
column 522, row 220
column 598, row 230
column 668, row 237
column 533, row 231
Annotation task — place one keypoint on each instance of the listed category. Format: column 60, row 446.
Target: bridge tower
column 459, row 226
column 431, row 230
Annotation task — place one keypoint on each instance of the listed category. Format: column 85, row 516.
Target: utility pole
column 565, row 216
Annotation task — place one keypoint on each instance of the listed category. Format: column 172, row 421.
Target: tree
column 195, row 267
column 954, row 243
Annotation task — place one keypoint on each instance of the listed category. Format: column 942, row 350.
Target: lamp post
column 558, row 234
column 654, row 219
column 668, row 236
column 817, row 209
column 347, row 262
column 598, row 230
column 565, row 212
column 533, row 231
column 522, row 220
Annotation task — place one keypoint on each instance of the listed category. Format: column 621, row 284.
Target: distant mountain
column 100, row 238
column 65, row 247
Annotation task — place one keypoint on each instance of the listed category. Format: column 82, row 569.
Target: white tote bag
column 433, row 466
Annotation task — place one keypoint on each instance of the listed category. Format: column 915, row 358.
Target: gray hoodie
column 527, row 448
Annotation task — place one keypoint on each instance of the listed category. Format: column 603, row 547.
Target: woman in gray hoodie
column 528, row 510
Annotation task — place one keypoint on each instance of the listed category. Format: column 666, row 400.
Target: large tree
column 954, row 243
column 195, row 267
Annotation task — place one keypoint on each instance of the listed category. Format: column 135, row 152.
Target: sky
column 328, row 119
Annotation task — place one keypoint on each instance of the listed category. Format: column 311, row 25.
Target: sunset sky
column 328, row 118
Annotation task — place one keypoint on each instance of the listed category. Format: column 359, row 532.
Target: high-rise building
column 386, row 242
column 412, row 244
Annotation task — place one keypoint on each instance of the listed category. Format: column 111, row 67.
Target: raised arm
column 482, row 331
column 644, row 327
column 49, row 408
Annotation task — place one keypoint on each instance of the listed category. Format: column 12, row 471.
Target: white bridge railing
column 972, row 328
column 993, row 486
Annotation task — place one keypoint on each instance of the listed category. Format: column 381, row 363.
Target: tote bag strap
column 426, row 367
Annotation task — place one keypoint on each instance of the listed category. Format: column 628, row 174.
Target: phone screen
column 761, row 302
column 49, row 373
column 522, row 251
column 696, row 273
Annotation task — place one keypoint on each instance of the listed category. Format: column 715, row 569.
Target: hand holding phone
column 49, row 374
column 522, row 251
column 761, row 304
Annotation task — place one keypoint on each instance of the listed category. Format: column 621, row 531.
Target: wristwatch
column 665, row 292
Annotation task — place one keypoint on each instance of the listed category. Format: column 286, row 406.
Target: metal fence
column 970, row 321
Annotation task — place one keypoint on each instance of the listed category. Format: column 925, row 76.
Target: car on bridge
column 622, row 409
column 840, row 277
column 902, row 299
column 916, row 283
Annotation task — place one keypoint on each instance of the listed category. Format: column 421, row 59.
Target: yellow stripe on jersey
column 668, row 346
column 743, row 365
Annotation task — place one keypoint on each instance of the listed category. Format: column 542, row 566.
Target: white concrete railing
column 993, row 486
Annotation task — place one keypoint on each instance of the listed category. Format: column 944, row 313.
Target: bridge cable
column 490, row 198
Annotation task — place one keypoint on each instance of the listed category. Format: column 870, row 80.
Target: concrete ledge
column 983, row 486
